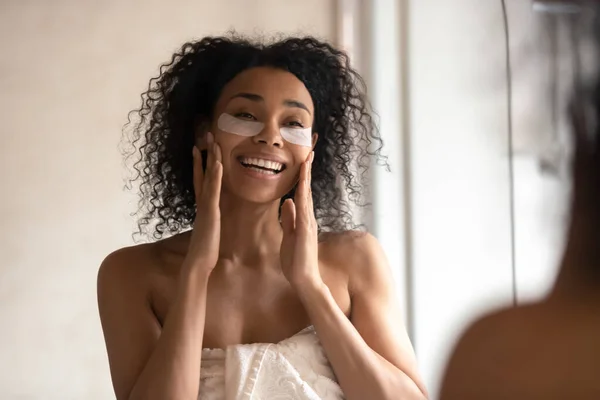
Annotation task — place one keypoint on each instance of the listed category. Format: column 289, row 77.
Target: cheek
column 300, row 154
column 227, row 141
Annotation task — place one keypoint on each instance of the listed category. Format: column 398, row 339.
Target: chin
column 256, row 196
column 256, row 192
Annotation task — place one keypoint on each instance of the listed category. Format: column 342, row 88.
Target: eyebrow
column 258, row 98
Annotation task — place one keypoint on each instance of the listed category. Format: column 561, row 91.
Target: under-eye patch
column 231, row 124
column 242, row 127
column 299, row 136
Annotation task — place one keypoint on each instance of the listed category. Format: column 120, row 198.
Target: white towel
column 295, row 368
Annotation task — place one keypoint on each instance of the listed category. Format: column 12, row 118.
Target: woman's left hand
column 299, row 248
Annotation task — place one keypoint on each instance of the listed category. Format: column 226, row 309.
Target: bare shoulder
column 126, row 279
column 375, row 310
column 470, row 371
column 532, row 351
column 349, row 247
column 358, row 255
column 130, row 271
column 124, row 265
column 346, row 239
column 489, row 354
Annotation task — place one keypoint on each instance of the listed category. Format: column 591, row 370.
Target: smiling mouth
column 262, row 166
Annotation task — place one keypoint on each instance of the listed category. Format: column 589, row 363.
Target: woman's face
column 264, row 167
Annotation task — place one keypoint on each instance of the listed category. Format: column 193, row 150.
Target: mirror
column 463, row 215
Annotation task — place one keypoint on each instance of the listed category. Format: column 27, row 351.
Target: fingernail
column 209, row 138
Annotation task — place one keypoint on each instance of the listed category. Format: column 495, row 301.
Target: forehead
column 274, row 85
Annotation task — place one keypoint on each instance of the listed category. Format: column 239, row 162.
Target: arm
column 371, row 355
column 146, row 363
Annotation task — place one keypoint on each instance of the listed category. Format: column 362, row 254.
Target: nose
column 270, row 135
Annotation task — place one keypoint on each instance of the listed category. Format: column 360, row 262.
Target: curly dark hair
column 186, row 90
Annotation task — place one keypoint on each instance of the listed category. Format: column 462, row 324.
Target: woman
column 269, row 294
column 549, row 349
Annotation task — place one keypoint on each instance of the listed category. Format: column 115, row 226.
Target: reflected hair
column 584, row 231
column 161, row 132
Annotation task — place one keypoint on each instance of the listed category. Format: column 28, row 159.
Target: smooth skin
column 546, row 350
column 241, row 276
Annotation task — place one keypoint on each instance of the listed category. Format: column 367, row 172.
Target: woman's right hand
column 203, row 251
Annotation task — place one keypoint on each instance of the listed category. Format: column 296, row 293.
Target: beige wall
column 69, row 72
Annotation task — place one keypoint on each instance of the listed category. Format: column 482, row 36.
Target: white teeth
column 262, row 171
column 262, row 163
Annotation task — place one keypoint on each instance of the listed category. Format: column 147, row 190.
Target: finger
column 198, row 173
column 214, row 190
column 301, row 197
column 209, row 159
column 312, row 158
column 218, row 154
column 288, row 217
column 309, row 178
column 216, row 176
column 310, row 204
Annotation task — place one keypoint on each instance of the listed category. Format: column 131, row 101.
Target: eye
column 245, row 115
column 296, row 124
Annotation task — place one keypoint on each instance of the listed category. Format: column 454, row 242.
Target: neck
column 250, row 232
column 579, row 274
